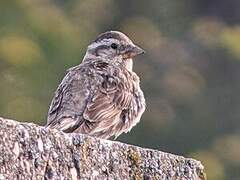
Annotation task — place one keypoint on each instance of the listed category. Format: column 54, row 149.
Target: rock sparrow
column 100, row 97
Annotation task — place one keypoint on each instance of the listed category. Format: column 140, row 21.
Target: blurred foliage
column 213, row 166
column 190, row 74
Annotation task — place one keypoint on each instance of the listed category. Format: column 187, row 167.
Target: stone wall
column 28, row 151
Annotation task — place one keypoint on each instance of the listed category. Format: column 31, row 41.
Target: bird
column 101, row 96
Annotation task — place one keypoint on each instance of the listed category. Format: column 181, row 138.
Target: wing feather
column 69, row 100
column 107, row 105
column 102, row 111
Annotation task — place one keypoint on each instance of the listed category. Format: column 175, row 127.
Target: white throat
column 127, row 63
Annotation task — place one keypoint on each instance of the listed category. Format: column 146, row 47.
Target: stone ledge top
column 29, row 151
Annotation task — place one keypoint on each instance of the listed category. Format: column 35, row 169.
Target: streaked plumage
column 100, row 97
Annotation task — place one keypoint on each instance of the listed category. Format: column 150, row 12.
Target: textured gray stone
column 28, row 151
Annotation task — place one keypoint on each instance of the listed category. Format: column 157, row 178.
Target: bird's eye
column 114, row 46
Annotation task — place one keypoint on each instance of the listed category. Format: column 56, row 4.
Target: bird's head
column 114, row 46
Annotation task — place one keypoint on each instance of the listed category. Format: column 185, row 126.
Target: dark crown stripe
column 109, row 35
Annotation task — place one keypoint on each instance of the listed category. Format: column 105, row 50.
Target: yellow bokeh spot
column 24, row 108
column 19, row 50
column 230, row 152
column 144, row 31
column 183, row 83
column 213, row 167
column 208, row 31
column 231, row 40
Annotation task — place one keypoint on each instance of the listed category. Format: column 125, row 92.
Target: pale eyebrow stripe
column 97, row 48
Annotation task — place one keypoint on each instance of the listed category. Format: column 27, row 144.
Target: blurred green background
column 190, row 74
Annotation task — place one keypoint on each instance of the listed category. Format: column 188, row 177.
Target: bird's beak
column 132, row 51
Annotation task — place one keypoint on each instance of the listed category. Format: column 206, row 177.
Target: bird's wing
column 103, row 111
column 106, row 108
column 69, row 101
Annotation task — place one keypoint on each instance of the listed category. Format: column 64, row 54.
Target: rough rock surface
column 28, row 151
